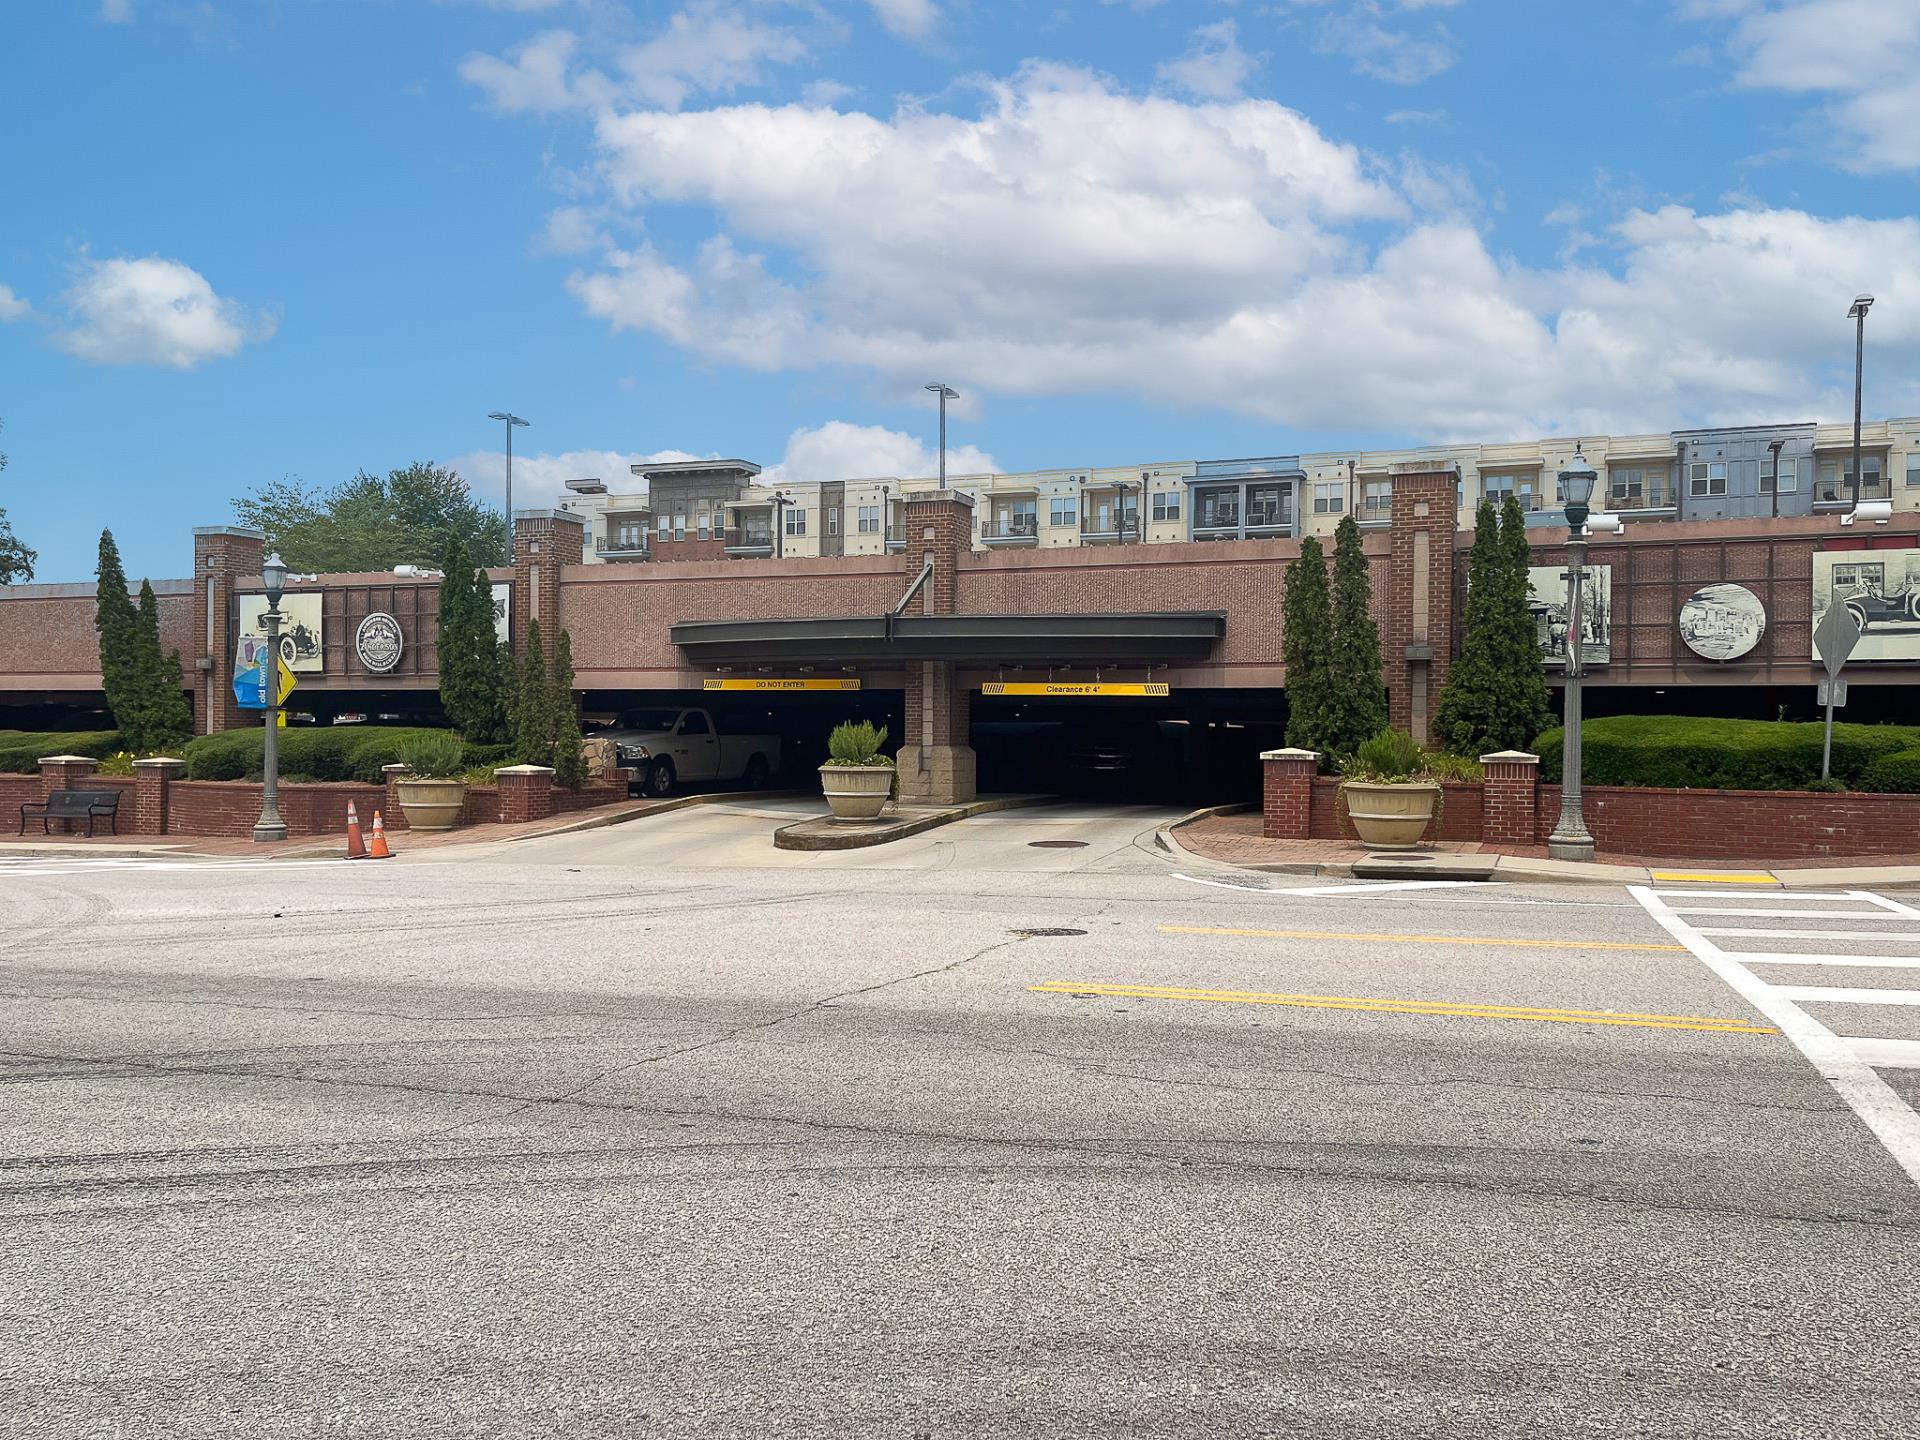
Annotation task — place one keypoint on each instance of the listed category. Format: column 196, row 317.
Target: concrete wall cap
column 929, row 497
column 524, row 770
column 397, row 766
column 566, row 515
column 68, row 760
column 1290, row 754
column 158, row 761
column 243, row 532
column 1510, row 757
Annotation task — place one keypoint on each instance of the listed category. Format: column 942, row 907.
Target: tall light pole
column 945, row 395
column 270, row 826
column 1858, row 314
column 1775, row 446
column 510, row 420
column 1570, row 839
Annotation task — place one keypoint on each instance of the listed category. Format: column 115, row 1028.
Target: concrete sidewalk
column 1232, row 838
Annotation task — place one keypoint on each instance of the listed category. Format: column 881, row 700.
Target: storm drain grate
column 1056, row 844
column 1040, row 934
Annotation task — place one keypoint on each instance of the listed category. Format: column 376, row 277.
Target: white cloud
column 1378, row 48
column 1861, row 54
column 709, row 47
column 12, row 306
column 539, row 480
column 908, row 19
column 116, row 12
column 153, row 312
column 1214, row 67
column 839, row 450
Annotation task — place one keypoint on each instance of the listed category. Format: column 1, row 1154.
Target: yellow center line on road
column 1693, row 877
column 1523, row 944
column 1442, row 1008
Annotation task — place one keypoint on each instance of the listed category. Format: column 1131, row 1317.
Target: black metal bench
column 87, row 805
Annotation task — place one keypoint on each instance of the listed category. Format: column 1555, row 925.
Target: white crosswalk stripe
column 1848, row 1062
column 29, row 866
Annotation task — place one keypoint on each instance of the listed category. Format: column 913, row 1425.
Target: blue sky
column 288, row 237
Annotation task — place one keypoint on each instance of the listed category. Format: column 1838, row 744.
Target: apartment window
column 1267, row 505
column 1329, row 497
column 833, row 519
column 1022, row 517
column 1376, row 499
column 680, row 527
column 1061, row 512
column 1219, row 510
column 1523, row 488
column 796, row 520
column 1836, row 481
column 1789, row 478
column 1166, row 505
column 1913, row 469
column 629, row 535
column 703, row 525
column 666, row 527
column 869, row 519
column 1707, row 477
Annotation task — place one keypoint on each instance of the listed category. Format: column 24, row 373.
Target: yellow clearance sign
column 1060, row 689
column 769, row 683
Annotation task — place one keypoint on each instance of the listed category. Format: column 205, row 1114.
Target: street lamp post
column 945, row 395
column 780, row 502
column 510, row 420
column 270, row 826
column 1570, row 839
column 1858, row 314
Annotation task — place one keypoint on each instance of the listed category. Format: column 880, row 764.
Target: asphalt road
column 658, row 1131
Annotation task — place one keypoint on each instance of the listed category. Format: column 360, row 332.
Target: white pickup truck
column 670, row 745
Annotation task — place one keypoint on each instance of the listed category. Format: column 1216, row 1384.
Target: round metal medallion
column 1722, row 622
column 377, row 642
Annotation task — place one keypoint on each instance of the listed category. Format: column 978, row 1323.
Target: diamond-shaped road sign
column 1835, row 636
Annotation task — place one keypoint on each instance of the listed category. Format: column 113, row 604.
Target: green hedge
column 331, row 752
column 20, row 750
column 1897, row 774
column 1686, row 752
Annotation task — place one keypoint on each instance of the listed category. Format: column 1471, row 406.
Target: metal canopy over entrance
column 1163, row 638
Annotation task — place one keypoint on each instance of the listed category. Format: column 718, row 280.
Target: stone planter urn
column 856, row 792
column 432, row 804
column 1390, row 816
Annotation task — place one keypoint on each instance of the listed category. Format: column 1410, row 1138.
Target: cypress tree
column 533, row 704
column 1306, row 646
column 1357, row 693
column 1524, row 708
column 569, row 755
column 164, row 718
column 1495, row 696
column 118, row 625
column 469, row 653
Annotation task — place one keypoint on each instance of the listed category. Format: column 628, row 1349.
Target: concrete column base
column 938, row 775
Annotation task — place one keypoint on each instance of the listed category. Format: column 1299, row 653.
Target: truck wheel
column 756, row 773
column 660, row 779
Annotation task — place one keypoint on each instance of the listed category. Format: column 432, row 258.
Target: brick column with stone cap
column 1416, row 643
column 226, row 558
column 151, row 779
column 391, row 776
column 1508, row 814
column 544, row 541
column 1286, row 808
column 526, row 792
column 937, row 764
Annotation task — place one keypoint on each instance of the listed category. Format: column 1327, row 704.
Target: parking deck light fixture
column 273, row 576
column 1858, row 314
column 945, row 395
column 510, row 420
column 1570, row 839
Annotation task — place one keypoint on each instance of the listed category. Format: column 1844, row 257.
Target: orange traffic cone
column 378, row 850
column 356, row 847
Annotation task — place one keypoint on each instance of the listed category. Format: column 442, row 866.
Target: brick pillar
column 391, row 775
column 526, row 792
column 225, row 557
column 937, row 765
column 1286, row 808
column 151, row 779
column 1418, row 643
column 543, row 542
column 1509, row 813
column 65, row 772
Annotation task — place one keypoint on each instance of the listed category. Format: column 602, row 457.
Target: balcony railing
column 1012, row 530
column 750, row 541
column 609, row 547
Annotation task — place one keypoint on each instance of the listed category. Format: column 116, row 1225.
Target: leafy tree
column 163, row 717
column 569, row 755
column 118, row 625
column 1495, row 696
column 1306, row 645
column 1357, row 693
column 533, row 704
column 470, row 653
column 16, row 560
column 371, row 523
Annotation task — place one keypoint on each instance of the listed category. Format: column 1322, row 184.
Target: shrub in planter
column 435, row 792
column 858, row 777
column 1389, row 791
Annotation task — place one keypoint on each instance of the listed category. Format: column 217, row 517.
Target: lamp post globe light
column 1570, row 840
column 945, row 395
column 273, row 576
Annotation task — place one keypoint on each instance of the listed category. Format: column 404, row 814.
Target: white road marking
column 107, row 864
column 1844, row 1062
column 1765, row 914
column 1345, row 887
column 1778, row 957
column 1889, row 1054
column 1724, row 894
column 1847, row 995
column 1769, row 933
